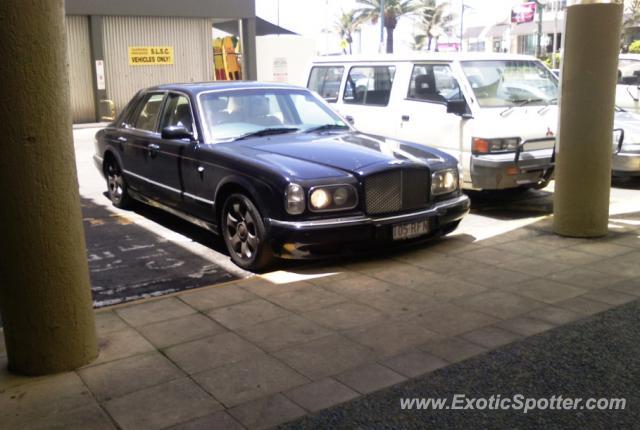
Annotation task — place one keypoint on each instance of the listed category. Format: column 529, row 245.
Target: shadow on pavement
column 127, row 262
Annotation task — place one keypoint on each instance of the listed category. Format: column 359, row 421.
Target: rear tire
column 116, row 185
column 244, row 234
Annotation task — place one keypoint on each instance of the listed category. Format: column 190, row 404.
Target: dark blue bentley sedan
column 275, row 171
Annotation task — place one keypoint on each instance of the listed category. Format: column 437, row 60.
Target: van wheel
column 116, row 186
column 244, row 234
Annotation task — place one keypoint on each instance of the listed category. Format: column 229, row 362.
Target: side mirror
column 458, row 107
column 176, row 133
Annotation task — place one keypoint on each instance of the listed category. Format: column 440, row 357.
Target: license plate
column 410, row 230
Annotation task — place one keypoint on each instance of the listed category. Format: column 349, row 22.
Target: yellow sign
column 150, row 55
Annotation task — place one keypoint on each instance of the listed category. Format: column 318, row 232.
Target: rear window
column 326, row 81
column 369, row 85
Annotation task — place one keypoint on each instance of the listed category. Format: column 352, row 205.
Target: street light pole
column 461, row 25
column 539, row 6
column 382, row 5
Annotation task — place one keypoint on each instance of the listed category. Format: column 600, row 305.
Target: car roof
column 422, row 56
column 194, row 88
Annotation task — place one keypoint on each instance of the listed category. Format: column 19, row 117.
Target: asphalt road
column 594, row 358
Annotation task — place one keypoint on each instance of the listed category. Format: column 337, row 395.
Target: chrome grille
column 396, row 191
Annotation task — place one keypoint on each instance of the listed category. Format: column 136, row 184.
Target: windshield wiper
column 267, row 132
column 327, row 127
column 519, row 103
column 548, row 103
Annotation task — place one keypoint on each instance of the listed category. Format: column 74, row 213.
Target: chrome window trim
column 166, row 187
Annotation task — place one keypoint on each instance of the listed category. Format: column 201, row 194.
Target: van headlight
column 294, row 198
column 444, row 182
column 489, row 146
column 332, row 198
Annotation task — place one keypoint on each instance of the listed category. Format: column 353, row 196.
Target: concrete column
column 249, row 49
column 45, row 295
column 589, row 75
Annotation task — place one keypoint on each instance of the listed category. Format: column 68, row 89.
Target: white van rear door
column 422, row 113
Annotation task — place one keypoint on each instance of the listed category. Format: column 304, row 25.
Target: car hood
column 349, row 152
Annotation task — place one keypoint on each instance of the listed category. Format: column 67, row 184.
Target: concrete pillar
column 589, row 75
column 45, row 295
column 249, row 49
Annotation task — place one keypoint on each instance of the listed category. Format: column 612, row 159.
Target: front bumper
column 317, row 238
column 626, row 164
column 502, row 171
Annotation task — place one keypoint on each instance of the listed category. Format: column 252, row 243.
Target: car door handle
column 200, row 170
column 406, row 118
column 122, row 139
column 153, row 147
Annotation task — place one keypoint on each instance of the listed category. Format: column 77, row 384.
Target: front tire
column 244, row 234
column 116, row 186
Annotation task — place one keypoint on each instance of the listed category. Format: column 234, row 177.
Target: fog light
column 340, row 196
column 320, row 199
column 513, row 171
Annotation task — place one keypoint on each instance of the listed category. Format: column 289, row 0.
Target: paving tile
column 10, row 380
column 250, row 379
column 602, row 248
column 386, row 304
column 283, row 332
column 180, row 330
column 624, row 265
column 217, row 421
column 526, row 247
column 493, row 277
column 490, row 337
column 28, row 402
column 154, row 311
column 586, row 278
column 453, row 349
column 216, row 297
column 584, row 306
column 330, row 276
column 443, row 264
column 370, row 378
column 555, row 315
column 306, row 299
column 267, row 412
column 3, row 347
column 392, row 337
column 121, row 344
column 406, row 275
column 357, row 286
column 525, row 326
column 117, row 378
column 570, row 256
column 109, row 321
column 211, row 352
column 90, row 416
column 547, row 291
column 321, row 394
column 500, row 304
column 558, row 241
column 610, row 297
column 450, row 320
column 162, row 406
column 450, row 289
column 414, row 363
column 629, row 286
column 264, row 288
column 491, row 255
column 326, row 356
column 537, row 266
column 345, row 315
column 247, row 313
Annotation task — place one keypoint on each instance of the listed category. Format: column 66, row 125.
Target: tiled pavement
column 256, row 353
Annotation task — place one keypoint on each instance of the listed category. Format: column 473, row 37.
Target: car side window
column 369, row 85
column 326, row 80
column 147, row 116
column 177, row 113
column 433, row 83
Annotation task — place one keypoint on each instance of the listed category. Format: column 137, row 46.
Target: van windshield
column 506, row 83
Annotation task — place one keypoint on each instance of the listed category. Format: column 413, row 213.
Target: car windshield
column 507, row 83
column 237, row 114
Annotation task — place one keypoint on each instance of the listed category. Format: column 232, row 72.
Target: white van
column 496, row 113
column 628, row 88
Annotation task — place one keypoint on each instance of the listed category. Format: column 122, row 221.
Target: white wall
column 284, row 58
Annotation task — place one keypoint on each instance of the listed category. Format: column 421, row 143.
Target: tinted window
column 369, row 85
column 177, row 113
column 147, row 117
column 326, row 81
column 433, row 82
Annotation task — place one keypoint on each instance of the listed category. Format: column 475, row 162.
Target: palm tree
column 369, row 10
column 345, row 26
column 631, row 21
column 434, row 20
column 418, row 42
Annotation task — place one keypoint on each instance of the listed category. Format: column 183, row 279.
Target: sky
column 310, row 17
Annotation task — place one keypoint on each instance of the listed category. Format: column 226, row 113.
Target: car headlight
column 444, row 182
column 488, row 146
column 294, row 197
column 332, row 198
